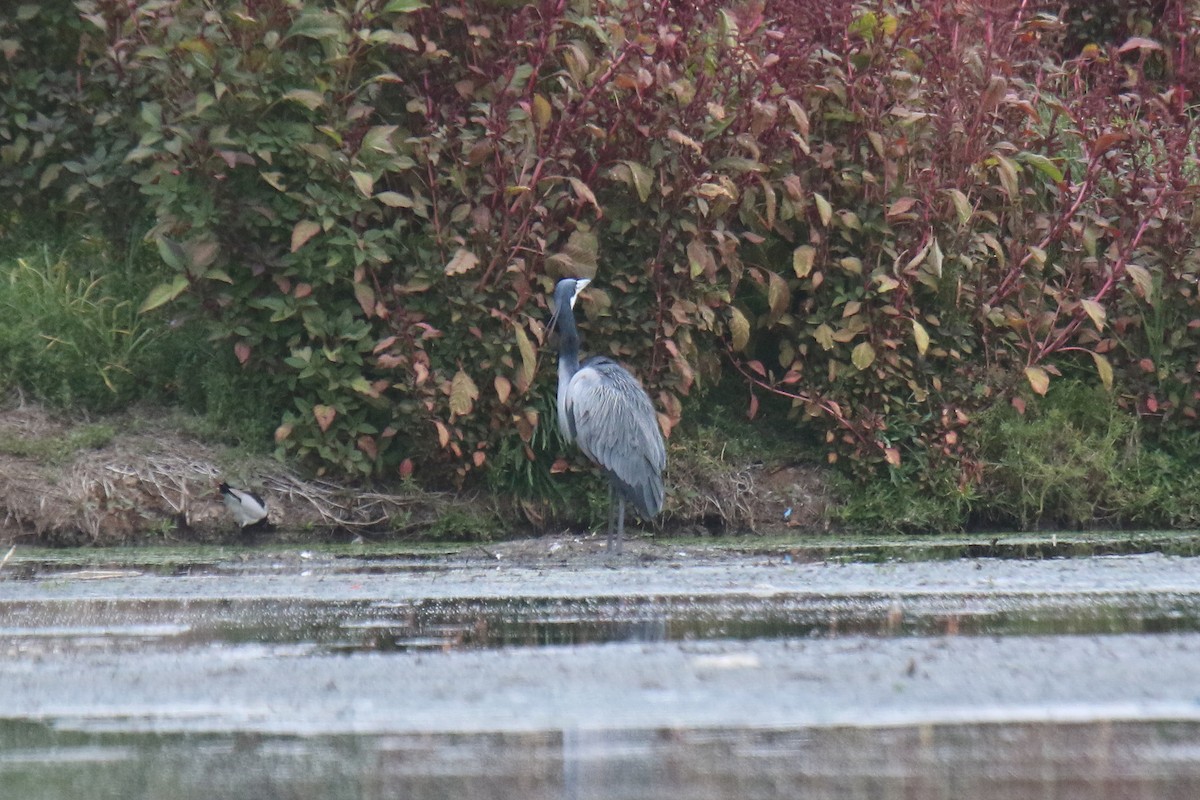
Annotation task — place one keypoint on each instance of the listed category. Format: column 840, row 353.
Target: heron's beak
column 580, row 285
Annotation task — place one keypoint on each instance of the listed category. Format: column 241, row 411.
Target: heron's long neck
column 568, row 365
column 568, row 346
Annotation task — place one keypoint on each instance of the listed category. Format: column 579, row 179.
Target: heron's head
column 565, row 294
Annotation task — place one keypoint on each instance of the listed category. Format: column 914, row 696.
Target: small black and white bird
column 248, row 509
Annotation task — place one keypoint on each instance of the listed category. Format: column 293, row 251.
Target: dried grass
column 159, row 485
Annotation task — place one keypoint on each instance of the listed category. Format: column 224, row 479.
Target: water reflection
column 1098, row 761
column 348, row 627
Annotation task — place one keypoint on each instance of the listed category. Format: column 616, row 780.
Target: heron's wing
column 615, row 425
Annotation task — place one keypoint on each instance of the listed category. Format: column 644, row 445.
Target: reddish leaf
column 302, row 232
column 443, row 433
column 368, row 446
column 324, row 416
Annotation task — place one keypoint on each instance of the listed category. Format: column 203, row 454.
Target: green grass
column 71, row 337
column 56, row 449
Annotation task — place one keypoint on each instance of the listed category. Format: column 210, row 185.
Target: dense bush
column 893, row 215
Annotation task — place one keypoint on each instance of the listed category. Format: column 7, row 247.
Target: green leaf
column 172, row 253
column 404, row 6
column 316, row 25
column 378, row 139
column 639, row 176
column 863, row 355
column 1043, row 165
column 1104, row 369
column 163, row 294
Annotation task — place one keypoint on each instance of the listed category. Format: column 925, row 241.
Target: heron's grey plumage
column 604, row 409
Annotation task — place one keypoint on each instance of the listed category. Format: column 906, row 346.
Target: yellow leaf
column 1008, row 176
column 934, row 261
column 700, row 259
column 877, row 143
column 823, row 209
column 802, row 260
column 528, row 360
column 304, row 230
column 739, row 328
column 962, row 206
column 1141, row 277
column 541, row 111
column 363, row 182
column 892, row 455
column 851, row 264
column 306, row 97
column 1095, row 311
column 163, row 294
column 921, row 336
column 503, row 387
column 463, row 261
column 863, row 355
column 779, row 296
column 463, row 394
column 1038, row 379
column 394, row 199
column 824, row 336
column 1105, row 369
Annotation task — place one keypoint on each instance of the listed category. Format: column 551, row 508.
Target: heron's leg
column 620, row 528
column 612, row 510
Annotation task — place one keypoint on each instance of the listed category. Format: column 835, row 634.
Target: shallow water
column 299, row 677
column 1103, row 761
